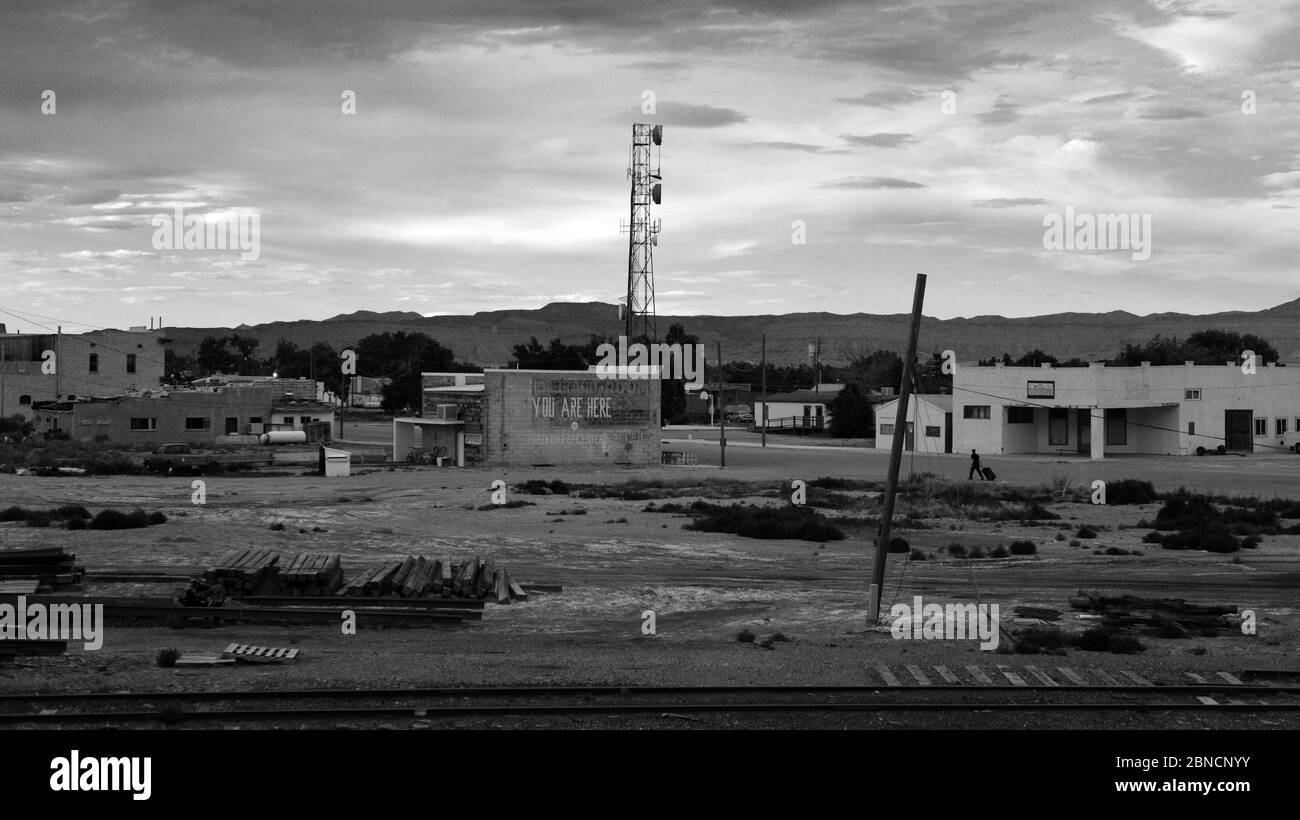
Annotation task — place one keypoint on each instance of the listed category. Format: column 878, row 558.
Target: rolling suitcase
column 989, row 474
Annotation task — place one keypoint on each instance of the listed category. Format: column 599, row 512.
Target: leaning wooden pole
column 896, row 452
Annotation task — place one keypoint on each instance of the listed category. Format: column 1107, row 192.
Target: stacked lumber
column 50, row 567
column 420, row 577
column 1169, row 617
column 243, row 570
column 305, row 573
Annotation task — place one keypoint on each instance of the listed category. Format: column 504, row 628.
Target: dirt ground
column 615, row 562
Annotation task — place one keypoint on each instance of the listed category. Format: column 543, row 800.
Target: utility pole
column 58, row 354
column 722, row 411
column 896, row 452
column 764, row 419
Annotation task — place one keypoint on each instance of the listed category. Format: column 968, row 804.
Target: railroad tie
column 1015, row 679
column 1071, row 676
column 1105, row 677
column 916, row 672
column 979, row 675
column 1230, row 678
column 1135, row 677
column 1195, row 677
column 1208, row 701
column 1041, row 676
column 886, row 675
column 947, row 675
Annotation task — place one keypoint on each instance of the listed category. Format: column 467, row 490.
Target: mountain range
column 487, row 338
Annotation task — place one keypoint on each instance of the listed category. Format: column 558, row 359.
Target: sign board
column 473, row 439
column 1040, row 390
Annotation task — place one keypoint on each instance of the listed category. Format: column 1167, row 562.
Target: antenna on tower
column 643, row 232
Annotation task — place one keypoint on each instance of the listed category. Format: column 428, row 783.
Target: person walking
column 975, row 467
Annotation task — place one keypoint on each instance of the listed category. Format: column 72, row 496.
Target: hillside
column 487, row 338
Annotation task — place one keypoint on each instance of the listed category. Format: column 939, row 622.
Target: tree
column 1205, row 347
column 214, row 357
column 558, row 355
column 851, row 413
column 672, row 396
column 402, row 357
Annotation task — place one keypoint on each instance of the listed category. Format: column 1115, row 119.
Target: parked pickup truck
column 182, row 459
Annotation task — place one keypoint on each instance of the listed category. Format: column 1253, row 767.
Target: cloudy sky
column 485, row 165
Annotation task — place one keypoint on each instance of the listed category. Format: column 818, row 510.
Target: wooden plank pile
column 305, row 573
column 243, row 570
column 50, row 567
column 1167, row 617
column 420, row 577
column 12, row 648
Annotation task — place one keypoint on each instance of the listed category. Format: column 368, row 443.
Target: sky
column 816, row 156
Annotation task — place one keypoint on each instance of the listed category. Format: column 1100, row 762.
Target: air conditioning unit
column 446, row 412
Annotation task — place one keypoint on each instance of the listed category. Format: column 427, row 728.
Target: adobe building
column 1099, row 410
column 517, row 418
column 98, row 363
column 198, row 417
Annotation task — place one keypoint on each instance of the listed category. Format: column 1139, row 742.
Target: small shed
column 335, row 463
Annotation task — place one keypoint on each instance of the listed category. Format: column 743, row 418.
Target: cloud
column 887, row 97
column 1109, row 98
column 1001, row 113
column 881, row 140
column 690, row 115
column 870, row 183
column 1171, row 112
column 791, row 146
column 1008, row 203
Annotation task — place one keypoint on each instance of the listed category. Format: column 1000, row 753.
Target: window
column 1192, row 394
column 1117, row 426
column 1020, row 415
column 94, row 362
column 24, row 399
column 976, row 411
column 198, row 423
column 254, row 419
column 1281, row 427
column 886, row 429
column 144, row 423
column 933, row 432
column 287, row 419
column 1261, row 426
column 304, row 420
column 130, row 363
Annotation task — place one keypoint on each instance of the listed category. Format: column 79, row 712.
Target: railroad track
column 309, row 706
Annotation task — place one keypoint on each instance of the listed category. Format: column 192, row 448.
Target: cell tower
column 643, row 233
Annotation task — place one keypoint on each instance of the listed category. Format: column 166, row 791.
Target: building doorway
column 1084, row 432
column 232, row 425
column 910, row 442
column 1238, row 430
column 947, row 432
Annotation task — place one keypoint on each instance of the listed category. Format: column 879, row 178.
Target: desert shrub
column 1100, row 639
column 1040, row 640
column 76, row 524
column 1060, row 536
column 509, row 505
column 1130, row 491
column 956, row 550
column 167, row 657
column 70, row 511
column 1085, row 531
column 999, row 552
column 1126, row 645
column 109, row 520
column 13, row 514
column 37, row 518
column 1250, row 542
column 897, row 544
column 157, row 517
column 138, row 518
column 536, row 486
column 916, row 555
column 749, row 521
column 1118, row 551
column 1023, row 548
column 745, row 636
column 278, row 526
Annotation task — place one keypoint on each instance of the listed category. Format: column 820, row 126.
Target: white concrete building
column 929, row 424
column 806, row 409
column 1097, row 410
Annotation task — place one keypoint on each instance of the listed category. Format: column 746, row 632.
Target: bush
column 916, row 555
column 278, row 526
column 1040, row 640
column 999, row 552
column 1130, row 491
column 36, row 518
column 536, row 486
column 976, row 552
column 750, row 521
column 1023, row 548
column 1085, row 531
column 509, row 505
column 956, row 550
column 167, row 658
column 1250, row 542
column 1100, row 639
column 898, row 545
column 157, row 517
column 13, row 514
column 70, row 511
column 76, row 524
column 745, row 636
